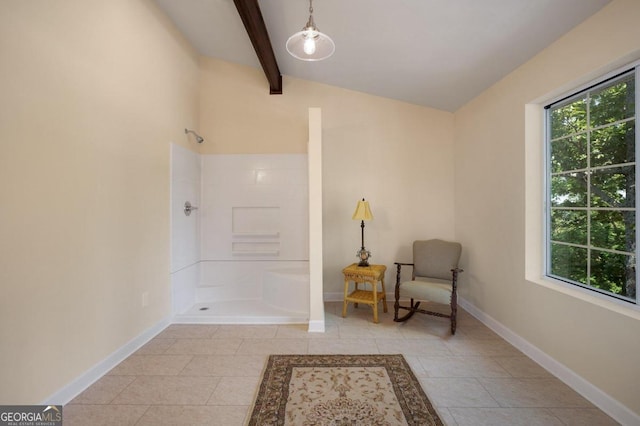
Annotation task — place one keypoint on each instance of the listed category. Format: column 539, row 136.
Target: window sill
column 618, row 306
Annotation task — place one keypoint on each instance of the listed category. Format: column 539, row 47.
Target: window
column 591, row 188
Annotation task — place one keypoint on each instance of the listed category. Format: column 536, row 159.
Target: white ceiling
column 437, row 53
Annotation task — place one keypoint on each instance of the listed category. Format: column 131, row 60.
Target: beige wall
column 497, row 205
column 397, row 155
column 92, row 92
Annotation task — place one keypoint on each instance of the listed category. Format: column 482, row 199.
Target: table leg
column 355, row 288
column 374, row 291
column 344, row 304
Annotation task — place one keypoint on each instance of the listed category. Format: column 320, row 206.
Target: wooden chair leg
column 454, row 313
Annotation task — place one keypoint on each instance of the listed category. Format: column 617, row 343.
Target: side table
column 365, row 275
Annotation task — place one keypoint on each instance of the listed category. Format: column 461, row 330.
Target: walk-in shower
column 242, row 256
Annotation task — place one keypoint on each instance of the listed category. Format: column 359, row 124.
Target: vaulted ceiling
column 436, row 53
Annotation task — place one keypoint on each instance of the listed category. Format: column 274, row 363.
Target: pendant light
column 310, row 44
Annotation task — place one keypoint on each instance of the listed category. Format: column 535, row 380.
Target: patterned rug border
column 270, row 403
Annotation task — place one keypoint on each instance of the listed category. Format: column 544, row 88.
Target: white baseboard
column 73, row 389
column 597, row 397
column 316, row 327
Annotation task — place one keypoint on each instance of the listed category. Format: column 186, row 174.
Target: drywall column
column 316, row 302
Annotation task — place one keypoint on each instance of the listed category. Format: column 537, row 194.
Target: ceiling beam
column 251, row 15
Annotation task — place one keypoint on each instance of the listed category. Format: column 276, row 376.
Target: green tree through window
column 591, row 214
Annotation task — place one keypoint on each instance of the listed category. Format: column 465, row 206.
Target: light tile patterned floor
column 208, row 374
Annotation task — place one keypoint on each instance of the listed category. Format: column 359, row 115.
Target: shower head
column 199, row 138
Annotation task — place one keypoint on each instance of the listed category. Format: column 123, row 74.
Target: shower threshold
column 252, row 311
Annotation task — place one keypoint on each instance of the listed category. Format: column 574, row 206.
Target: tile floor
column 208, row 374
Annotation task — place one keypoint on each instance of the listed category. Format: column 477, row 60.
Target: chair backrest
column 435, row 258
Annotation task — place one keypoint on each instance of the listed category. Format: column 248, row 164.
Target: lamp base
column 364, row 255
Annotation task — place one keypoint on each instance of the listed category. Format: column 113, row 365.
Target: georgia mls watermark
column 30, row 415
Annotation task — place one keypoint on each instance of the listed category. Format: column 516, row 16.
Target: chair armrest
column 399, row 266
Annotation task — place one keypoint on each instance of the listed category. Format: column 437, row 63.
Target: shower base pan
column 239, row 312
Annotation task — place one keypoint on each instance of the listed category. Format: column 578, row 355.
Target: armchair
column 434, row 278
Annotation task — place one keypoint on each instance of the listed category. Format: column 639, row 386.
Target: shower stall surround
column 251, row 230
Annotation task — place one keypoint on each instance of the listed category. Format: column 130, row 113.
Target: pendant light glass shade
column 310, row 44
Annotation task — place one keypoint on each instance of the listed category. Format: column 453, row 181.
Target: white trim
column 316, row 326
column 74, row 388
column 596, row 396
column 604, row 301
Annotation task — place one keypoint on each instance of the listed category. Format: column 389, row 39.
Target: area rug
column 340, row 390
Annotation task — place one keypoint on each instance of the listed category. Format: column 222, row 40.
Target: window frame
column 563, row 100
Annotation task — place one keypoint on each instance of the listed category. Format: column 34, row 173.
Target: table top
column 369, row 271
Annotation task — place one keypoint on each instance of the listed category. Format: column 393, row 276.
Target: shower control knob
column 188, row 208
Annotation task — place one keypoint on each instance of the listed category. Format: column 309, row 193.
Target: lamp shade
column 363, row 212
column 310, row 45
